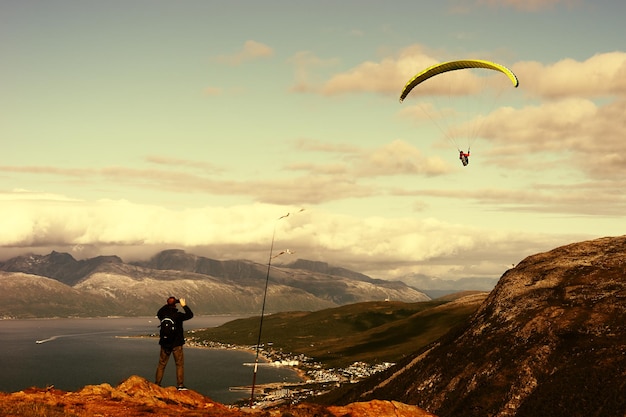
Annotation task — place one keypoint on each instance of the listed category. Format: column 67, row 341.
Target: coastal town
column 316, row 379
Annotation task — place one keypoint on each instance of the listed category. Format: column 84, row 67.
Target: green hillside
column 373, row 332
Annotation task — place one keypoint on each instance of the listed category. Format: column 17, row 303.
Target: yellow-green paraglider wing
column 456, row 65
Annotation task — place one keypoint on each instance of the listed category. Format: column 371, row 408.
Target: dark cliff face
column 549, row 340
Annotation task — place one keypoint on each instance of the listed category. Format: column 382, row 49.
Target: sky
column 244, row 129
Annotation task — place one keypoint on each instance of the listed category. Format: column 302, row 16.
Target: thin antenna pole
column 267, row 279
column 258, row 342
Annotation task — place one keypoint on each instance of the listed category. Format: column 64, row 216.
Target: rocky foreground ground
column 137, row 397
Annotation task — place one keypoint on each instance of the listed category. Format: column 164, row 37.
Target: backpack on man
column 168, row 330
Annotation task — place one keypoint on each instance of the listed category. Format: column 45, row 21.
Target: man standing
column 172, row 339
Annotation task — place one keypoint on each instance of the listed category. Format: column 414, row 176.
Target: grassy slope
column 372, row 332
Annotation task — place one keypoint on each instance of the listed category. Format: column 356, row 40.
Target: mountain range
column 58, row 285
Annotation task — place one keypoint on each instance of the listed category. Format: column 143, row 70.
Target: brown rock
column 378, row 408
column 137, row 397
column 134, row 397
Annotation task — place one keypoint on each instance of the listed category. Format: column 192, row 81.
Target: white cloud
column 251, row 50
column 213, row 91
column 528, row 5
column 387, row 76
column 306, row 65
column 379, row 246
column 601, row 75
column 399, row 158
column 577, row 132
column 394, row 158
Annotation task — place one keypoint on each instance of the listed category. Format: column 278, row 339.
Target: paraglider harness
column 464, row 157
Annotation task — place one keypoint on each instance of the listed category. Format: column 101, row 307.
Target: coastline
column 265, row 358
column 314, row 378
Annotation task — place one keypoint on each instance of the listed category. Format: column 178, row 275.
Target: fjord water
column 79, row 352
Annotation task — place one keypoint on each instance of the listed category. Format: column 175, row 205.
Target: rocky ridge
column 137, row 397
column 550, row 339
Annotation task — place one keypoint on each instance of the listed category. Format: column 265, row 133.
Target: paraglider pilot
column 464, row 157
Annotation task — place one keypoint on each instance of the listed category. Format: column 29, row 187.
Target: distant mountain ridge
column 60, row 266
column 549, row 340
column 438, row 287
column 106, row 285
column 177, row 259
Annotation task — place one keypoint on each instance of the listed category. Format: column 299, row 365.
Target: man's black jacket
column 172, row 312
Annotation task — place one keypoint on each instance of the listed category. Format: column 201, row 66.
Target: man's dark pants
column 179, row 359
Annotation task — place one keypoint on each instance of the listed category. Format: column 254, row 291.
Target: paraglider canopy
column 453, row 66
